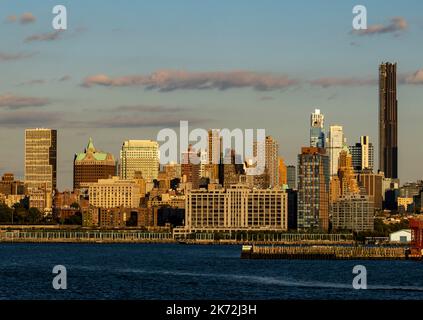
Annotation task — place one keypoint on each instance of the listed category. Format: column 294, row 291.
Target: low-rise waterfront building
column 236, row 208
column 353, row 212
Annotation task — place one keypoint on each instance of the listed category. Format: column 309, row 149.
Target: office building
column 190, row 167
column 10, row 186
column 388, row 120
column 373, row 186
column 91, row 165
column 41, row 167
column 139, row 156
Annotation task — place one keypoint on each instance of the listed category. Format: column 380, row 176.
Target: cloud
column 170, row 80
column 396, row 25
column 415, row 78
column 334, row 81
column 266, row 98
column 29, row 119
column 11, row 18
column 32, row 82
column 148, row 108
column 51, row 36
column 15, row 102
column 27, row 17
column 138, row 122
column 14, row 56
column 403, row 79
column 65, row 78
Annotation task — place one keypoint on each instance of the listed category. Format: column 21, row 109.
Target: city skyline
column 274, row 84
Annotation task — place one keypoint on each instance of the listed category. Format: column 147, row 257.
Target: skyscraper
column 272, row 160
column 270, row 148
column 388, row 120
column 41, row 167
column 317, row 133
column 362, row 154
column 214, row 152
column 190, row 167
column 139, row 156
column 91, row 165
column 214, row 146
column 335, row 144
column 313, row 189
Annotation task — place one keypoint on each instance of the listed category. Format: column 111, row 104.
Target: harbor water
column 175, row 271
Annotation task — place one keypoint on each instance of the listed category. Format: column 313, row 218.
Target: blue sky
column 304, row 48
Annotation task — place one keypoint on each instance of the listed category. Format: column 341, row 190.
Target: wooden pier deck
column 324, row 253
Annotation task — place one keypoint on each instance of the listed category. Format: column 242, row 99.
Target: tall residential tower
column 388, row 120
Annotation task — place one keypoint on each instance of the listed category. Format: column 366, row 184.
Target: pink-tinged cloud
column 334, row 81
column 27, row 17
column 16, row 102
column 396, row 25
column 170, row 80
column 11, row 18
column 415, row 78
column 51, row 36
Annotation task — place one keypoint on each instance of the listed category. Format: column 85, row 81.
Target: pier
column 85, row 236
column 324, row 253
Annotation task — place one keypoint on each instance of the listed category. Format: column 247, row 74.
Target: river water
column 173, row 271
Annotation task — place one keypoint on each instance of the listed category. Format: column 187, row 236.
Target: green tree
column 34, row 216
column 5, row 213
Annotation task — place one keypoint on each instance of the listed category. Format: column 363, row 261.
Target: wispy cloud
column 11, row 18
column 65, row 78
column 44, row 81
column 169, row 80
column 16, row 102
column 148, row 109
column 337, row 81
column 50, row 36
column 32, row 82
column 15, row 56
column 137, row 121
column 25, row 18
column 266, row 98
column 396, row 25
column 29, row 118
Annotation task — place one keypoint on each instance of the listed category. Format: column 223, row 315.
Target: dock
column 324, row 252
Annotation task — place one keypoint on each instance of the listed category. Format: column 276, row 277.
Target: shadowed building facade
column 388, row 120
column 313, row 189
